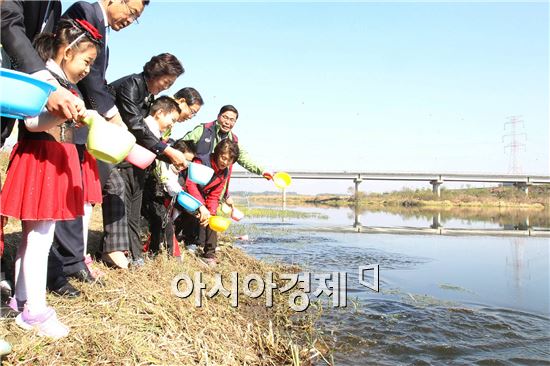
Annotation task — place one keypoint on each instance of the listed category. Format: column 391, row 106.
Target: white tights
column 31, row 264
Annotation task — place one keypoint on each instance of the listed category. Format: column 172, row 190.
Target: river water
column 442, row 299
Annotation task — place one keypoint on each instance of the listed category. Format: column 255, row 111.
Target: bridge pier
column 523, row 187
column 357, row 181
column 523, row 225
column 436, row 221
column 357, row 217
column 436, row 186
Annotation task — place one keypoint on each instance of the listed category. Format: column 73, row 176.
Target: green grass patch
column 445, row 286
column 280, row 213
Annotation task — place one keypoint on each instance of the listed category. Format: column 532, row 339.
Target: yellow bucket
column 282, row 180
column 218, row 223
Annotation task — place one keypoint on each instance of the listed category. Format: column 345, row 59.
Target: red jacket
column 209, row 194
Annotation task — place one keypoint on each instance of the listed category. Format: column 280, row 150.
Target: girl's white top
column 45, row 120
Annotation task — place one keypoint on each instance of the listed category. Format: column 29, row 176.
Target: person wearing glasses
column 104, row 15
column 67, row 257
column 157, row 185
column 208, row 135
column 190, row 102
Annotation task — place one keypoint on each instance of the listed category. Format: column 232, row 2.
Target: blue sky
column 359, row 86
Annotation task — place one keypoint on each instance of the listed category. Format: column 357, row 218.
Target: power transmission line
column 516, row 142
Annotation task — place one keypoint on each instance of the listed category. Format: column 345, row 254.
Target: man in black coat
column 103, row 15
column 68, row 247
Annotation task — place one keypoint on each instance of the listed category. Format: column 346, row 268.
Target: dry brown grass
column 136, row 320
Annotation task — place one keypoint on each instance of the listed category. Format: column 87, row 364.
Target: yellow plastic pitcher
column 218, row 223
column 282, row 180
column 107, row 141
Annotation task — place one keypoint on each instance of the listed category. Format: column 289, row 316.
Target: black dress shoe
column 84, row 275
column 67, row 290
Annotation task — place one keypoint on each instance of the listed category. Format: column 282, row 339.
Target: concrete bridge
column 521, row 181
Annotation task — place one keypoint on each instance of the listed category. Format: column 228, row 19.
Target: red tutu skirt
column 90, row 179
column 1, row 227
column 43, row 182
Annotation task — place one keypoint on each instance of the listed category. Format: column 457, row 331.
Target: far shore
column 501, row 197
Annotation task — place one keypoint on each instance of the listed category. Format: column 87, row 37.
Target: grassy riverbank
column 136, row 319
column 538, row 198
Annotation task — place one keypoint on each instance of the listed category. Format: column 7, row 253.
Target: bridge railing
column 521, row 181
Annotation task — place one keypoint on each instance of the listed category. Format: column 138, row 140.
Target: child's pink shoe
column 45, row 323
column 210, row 262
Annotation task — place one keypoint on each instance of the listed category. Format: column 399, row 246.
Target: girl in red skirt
column 44, row 183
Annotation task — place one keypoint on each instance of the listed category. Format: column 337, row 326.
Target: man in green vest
column 208, row 135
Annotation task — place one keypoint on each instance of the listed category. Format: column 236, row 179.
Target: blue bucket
column 188, row 202
column 22, row 95
column 200, row 174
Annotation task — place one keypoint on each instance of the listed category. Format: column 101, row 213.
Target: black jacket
column 133, row 101
column 21, row 22
column 94, row 87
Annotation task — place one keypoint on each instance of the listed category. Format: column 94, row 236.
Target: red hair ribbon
column 90, row 29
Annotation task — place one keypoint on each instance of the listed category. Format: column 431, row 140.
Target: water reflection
column 518, row 265
column 357, row 215
column 436, row 218
column 475, row 218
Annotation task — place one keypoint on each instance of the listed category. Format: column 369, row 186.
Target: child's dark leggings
column 161, row 231
column 188, row 228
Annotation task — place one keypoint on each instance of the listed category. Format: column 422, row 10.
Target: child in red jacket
column 194, row 227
